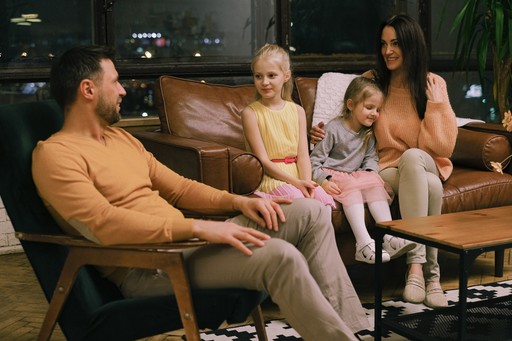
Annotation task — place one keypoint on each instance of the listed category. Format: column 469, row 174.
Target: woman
column 416, row 134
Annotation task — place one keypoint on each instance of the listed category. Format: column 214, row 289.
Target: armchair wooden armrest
column 68, row 240
column 220, row 166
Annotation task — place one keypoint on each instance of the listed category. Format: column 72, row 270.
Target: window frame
column 103, row 33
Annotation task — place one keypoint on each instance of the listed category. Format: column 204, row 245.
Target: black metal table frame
column 466, row 259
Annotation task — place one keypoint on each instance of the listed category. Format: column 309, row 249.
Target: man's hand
column 221, row 232
column 265, row 212
column 316, row 133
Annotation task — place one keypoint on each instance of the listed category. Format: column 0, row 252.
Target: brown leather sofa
column 201, row 137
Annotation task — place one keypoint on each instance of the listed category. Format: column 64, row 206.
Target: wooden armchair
column 87, row 306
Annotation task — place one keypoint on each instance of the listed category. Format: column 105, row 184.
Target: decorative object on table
column 483, row 26
column 507, row 123
column 279, row 330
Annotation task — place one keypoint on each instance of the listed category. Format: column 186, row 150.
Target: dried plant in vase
column 507, row 124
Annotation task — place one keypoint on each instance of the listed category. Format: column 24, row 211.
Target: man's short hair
column 73, row 66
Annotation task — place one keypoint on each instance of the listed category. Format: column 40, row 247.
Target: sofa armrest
column 492, row 128
column 477, row 148
column 223, row 167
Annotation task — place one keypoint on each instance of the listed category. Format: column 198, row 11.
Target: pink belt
column 288, row 159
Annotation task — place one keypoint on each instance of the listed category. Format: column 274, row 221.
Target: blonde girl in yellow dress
column 275, row 130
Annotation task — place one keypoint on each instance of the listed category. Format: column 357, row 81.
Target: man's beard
column 107, row 112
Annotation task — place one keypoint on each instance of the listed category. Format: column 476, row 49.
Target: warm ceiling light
column 30, row 16
column 26, row 19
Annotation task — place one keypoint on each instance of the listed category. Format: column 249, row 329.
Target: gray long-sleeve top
column 342, row 149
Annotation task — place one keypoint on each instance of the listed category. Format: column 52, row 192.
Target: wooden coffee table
column 467, row 234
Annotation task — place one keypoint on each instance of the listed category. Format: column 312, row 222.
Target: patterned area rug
column 279, row 330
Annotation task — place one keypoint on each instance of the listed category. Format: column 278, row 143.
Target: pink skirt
column 288, row 191
column 358, row 187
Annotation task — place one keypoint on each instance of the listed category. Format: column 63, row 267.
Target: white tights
column 355, row 216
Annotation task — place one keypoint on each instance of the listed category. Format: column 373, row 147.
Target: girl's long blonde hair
column 359, row 89
column 277, row 52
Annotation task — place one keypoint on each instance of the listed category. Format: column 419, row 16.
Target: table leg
column 499, row 256
column 465, row 261
column 463, row 292
column 378, row 285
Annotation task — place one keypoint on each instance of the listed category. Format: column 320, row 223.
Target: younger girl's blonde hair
column 359, row 89
column 276, row 52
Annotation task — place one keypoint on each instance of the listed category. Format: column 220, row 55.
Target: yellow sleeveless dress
column 279, row 131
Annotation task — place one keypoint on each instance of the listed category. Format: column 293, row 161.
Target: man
column 100, row 182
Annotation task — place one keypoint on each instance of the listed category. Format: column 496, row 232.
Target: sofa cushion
column 204, row 111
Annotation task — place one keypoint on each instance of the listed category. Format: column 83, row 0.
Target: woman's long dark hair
column 415, row 59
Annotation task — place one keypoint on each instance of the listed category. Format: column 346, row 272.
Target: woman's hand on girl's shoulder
column 317, row 133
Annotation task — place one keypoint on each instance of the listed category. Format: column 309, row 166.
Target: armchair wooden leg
column 259, row 323
column 181, row 286
column 64, row 285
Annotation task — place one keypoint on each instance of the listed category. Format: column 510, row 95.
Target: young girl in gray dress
column 345, row 164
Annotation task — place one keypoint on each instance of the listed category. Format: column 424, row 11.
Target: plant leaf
column 510, row 36
column 483, row 46
column 443, row 12
column 498, row 27
column 459, row 18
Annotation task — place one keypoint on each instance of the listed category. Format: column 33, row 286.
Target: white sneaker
column 396, row 246
column 366, row 253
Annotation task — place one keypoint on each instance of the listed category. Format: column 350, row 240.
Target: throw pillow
column 329, row 95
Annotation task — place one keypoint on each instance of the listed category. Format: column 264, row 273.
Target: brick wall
column 8, row 242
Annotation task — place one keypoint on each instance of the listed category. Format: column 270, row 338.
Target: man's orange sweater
column 118, row 193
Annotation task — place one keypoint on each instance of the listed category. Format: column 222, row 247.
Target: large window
column 193, row 31
column 213, row 40
column 34, row 31
column 348, row 31
column 190, row 38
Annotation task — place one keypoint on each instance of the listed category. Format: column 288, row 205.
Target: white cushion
column 329, row 95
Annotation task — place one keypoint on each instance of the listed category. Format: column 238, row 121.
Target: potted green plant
column 485, row 27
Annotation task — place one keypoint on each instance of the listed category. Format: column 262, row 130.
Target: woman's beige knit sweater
column 399, row 128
